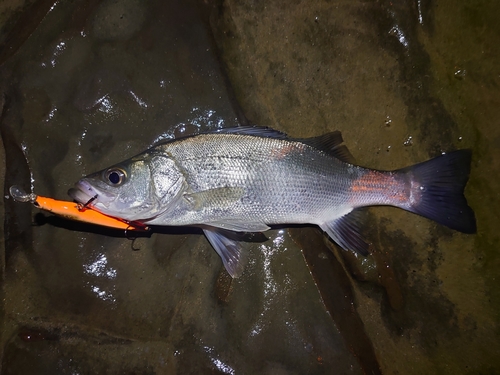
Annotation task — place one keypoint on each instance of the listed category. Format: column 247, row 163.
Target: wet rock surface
column 89, row 83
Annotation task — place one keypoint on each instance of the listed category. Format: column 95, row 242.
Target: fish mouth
column 86, row 194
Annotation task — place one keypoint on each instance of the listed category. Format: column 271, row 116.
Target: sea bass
column 247, row 178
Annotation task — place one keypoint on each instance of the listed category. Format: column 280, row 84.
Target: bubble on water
column 408, row 141
column 388, row 121
column 460, row 74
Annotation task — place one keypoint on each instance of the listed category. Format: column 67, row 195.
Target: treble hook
column 131, row 239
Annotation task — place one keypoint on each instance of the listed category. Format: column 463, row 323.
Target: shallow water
column 87, row 84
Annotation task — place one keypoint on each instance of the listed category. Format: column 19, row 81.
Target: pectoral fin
column 345, row 232
column 230, row 250
column 219, row 197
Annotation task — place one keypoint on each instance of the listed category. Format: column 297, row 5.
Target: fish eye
column 115, row 176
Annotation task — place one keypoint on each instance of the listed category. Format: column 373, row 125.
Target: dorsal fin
column 331, row 143
column 258, row 131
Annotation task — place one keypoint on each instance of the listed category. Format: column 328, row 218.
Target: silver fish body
column 246, row 179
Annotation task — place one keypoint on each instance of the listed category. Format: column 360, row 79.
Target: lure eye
column 115, row 176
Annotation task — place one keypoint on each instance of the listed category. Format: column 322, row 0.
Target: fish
column 249, row 178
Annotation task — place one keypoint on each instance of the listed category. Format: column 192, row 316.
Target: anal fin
column 345, row 232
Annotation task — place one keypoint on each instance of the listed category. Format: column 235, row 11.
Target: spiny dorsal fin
column 258, row 131
column 331, row 143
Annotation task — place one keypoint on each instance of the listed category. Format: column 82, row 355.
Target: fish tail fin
column 438, row 190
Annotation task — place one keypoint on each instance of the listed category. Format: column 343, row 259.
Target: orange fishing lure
column 74, row 211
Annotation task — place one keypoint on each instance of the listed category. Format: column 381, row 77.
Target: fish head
column 138, row 189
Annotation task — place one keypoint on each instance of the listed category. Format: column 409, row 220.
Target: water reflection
column 277, row 285
column 104, row 104
column 219, row 365
column 25, row 150
column 199, row 120
column 99, row 267
column 419, row 10
column 399, row 34
column 138, row 100
column 101, row 277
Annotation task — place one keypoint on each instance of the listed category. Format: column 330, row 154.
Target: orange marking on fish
column 74, row 211
column 283, row 151
column 381, row 184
